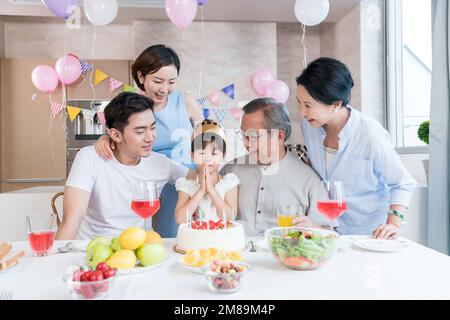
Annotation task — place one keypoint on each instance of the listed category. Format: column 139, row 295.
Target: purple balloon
column 60, row 7
column 201, row 2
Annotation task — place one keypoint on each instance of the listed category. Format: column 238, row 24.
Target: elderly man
column 271, row 176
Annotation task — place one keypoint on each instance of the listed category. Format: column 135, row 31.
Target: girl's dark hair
column 120, row 109
column 152, row 59
column 201, row 140
column 327, row 80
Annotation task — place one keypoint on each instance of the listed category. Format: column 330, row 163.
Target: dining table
column 414, row 272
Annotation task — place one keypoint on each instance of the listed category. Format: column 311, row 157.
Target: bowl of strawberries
column 90, row 284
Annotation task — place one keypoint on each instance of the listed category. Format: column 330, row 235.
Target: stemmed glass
column 145, row 201
column 331, row 201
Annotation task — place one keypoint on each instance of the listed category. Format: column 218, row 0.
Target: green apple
column 99, row 253
column 115, row 245
column 151, row 253
column 98, row 240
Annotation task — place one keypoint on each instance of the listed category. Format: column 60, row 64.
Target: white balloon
column 100, row 12
column 311, row 12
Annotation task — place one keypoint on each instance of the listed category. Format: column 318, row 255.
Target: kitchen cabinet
column 32, row 144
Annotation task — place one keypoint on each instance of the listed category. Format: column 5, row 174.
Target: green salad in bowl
column 301, row 248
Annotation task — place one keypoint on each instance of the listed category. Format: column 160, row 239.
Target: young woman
column 345, row 145
column 156, row 71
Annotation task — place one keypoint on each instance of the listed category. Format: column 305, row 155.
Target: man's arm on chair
column 74, row 206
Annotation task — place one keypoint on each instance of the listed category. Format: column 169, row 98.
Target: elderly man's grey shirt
column 264, row 188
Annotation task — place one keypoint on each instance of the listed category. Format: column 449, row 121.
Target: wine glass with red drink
column 331, row 201
column 145, row 201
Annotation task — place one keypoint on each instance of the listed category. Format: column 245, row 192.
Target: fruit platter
column 301, row 248
column 134, row 250
column 194, row 260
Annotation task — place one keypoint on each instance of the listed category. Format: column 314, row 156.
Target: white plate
column 81, row 245
column 262, row 245
column 381, row 245
column 193, row 269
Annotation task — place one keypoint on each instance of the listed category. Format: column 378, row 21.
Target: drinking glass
column 41, row 233
column 145, row 201
column 331, row 200
column 287, row 213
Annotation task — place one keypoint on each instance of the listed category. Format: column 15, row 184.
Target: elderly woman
column 345, row 145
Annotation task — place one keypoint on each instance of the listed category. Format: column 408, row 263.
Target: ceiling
column 213, row 10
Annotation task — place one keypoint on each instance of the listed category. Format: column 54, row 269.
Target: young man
column 98, row 193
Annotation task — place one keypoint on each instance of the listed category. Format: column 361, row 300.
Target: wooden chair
column 55, row 211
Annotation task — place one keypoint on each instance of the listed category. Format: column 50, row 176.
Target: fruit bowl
column 90, row 284
column 225, row 276
column 301, row 248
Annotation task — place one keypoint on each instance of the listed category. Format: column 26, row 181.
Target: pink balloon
column 181, row 12
column 261, row 79
column 214, row 98
column 68, row 69
column 278, row 90
column 44, row 78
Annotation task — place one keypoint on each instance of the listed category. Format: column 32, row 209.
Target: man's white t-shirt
column 110, row 184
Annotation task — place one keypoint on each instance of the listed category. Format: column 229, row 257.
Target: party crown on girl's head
column 209, row 126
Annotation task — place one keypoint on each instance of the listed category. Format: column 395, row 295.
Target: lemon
column 122, row 259
column 153, row 237
column 132, row 238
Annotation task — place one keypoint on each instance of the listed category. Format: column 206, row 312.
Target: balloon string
column 203, row 54
column 305, row 50
column 92, row 71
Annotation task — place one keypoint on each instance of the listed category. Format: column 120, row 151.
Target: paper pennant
column 56, row 109
column 205, row 113
column 101, row 117
column 229, row 91
column 127, row 88
column 114, row 85
column 100, row 76
column 220, row 114
column 214, row 98
column 237, row 113
column 85, row 66
column 202, row 102
column 73, row 112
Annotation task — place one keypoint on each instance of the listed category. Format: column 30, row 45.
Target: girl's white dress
column 190, row 187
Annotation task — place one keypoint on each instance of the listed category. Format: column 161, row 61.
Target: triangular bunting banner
column 85, row 66
column 205, row 113
column 73, row 112
column 127, row 88
column 114, row 85
column 100, row 76
column 237, row 113
column 101, row 117
column 202, row 102
column 229, row 91
column 220, row 114
column 56, row 109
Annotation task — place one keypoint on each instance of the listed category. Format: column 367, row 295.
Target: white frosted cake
column 231, row 238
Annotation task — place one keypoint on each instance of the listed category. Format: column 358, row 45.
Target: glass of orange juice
column 286, row 215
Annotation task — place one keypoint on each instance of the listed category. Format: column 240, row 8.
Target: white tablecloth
column 352, row 273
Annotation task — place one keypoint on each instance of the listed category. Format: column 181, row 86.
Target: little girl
column 211, row 195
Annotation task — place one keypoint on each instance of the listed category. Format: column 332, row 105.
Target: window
column 409, row 48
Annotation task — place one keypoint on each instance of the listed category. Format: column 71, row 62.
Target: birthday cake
column 203, row 235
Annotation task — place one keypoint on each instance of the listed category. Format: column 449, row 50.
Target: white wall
column 15, row 206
